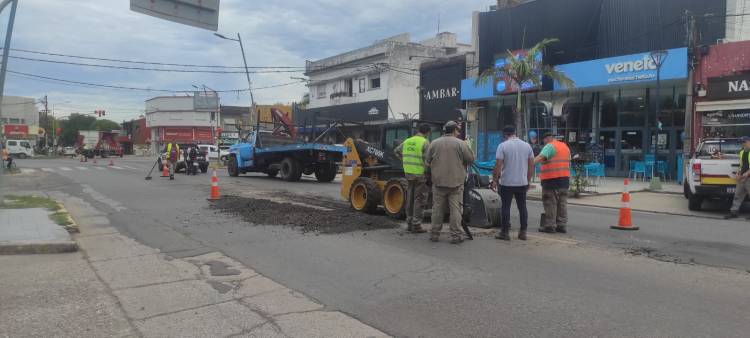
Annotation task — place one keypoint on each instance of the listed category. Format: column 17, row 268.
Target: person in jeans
column 514, row 168
column 743, row 179
column 555, row 177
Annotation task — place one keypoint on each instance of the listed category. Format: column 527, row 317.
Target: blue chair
column 636, row 168
column 596, row 170
column 650, row 160
column 661, row 169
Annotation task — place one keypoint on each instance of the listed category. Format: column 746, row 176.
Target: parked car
column 69, row 151
column 211, row 151
column 712, row 172
column 181, row 165
column 19, row 148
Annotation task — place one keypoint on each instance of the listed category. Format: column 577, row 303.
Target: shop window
column 321, row 91
column 632, row 140
column 634, row 107
column 608, row 109
column 15, row 121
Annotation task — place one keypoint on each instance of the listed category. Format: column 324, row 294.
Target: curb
column 73, row 226
column 17, row 248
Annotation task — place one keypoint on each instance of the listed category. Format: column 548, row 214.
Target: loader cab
column 394, row 134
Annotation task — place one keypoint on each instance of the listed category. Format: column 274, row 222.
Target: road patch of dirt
column 307, row 218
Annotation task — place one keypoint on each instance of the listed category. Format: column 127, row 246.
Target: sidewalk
column 118, row 287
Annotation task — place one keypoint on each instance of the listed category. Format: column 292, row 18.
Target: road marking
column 27, row 171
column 116, row 167
column 49, row 170
column 65, row 169
column 129, row 167
column 82, row 168
column 98, row 168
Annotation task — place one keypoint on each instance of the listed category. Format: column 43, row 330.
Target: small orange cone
column 625, row 222
column 214, row 188
column 165, row 170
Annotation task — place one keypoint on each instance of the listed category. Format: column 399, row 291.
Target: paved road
column 584, row 284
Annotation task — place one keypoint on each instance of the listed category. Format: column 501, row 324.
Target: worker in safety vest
column 6, row 157
column 555, row 177
column 173, row 155
column 743, row 179
column 412, row 152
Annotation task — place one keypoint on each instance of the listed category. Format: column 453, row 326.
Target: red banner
column 177, row 134
column 203, row 134
column 16, row 130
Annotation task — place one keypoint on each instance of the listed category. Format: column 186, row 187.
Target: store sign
column 16, row 130
column 726, row 118
column 730, row 87
column 441, row 90
column 504, row 85
column 626, row 69
column 230, row 135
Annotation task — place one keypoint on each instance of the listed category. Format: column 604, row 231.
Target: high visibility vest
column 559, row 165
column 412, row 155
column 173, row 156
column 742, row 152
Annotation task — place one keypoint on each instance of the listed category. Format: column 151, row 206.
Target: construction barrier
column 625, row 221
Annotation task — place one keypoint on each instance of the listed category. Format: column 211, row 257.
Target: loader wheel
column 394, row 198
column 365, row 196
column 290, row 170
column 325, row 172
column 232, row 169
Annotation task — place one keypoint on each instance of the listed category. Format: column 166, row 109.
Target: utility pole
column 6, row 51
column 253, row 111
column 690, row 99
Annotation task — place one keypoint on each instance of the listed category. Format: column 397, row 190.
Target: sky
column 280, row 33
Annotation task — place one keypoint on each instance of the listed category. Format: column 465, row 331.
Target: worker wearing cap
column 446, row 162
column 412, row 153
column 743, row 179
column 555, row 177
column 173, row 155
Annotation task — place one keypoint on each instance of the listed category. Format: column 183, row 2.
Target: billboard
column 16, row 130
column 197, row 13
column 504, row 85
column 203, row 100
column 633, row 68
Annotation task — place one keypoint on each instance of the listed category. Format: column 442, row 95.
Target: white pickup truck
column 711, row 173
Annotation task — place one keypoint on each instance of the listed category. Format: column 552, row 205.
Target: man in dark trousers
column 555, row 177
column 446, row 162
column 743, row 179
column 514, row 168
column 412, row 153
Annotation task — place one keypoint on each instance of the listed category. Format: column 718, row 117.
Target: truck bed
column 299, row 147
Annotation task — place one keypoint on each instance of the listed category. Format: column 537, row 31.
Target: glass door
column 609, row 150
column 632, row 143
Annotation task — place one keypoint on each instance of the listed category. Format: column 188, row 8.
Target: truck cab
column 712, row 172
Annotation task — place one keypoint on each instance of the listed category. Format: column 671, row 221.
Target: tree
column 105, row 125
column 71, row 126
column 525, row 69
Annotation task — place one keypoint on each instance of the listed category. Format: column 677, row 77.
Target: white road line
column 65, row 169
column 82, row 168
column 116, row 167
column 27, row 170
column 98, row 168
column 49, row 170
column 129, row 167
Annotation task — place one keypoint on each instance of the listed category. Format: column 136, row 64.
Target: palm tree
column 525, row 69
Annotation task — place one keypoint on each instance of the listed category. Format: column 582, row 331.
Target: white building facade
column 175, row 119
column 20, row 118
column 375, row 83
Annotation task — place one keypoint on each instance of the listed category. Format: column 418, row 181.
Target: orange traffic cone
column 165, row 170
column 214, row 187
column 625, row 222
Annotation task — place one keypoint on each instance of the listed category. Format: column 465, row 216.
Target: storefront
column 611, row 110
column 727, row 113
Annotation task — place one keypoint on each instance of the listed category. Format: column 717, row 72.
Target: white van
column 19, row 148
column 212, row 151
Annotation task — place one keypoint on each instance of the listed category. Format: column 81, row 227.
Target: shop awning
column 722, row 105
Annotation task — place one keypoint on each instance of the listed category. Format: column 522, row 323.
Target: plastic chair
column 638, row 167
column 661, row 169
column 650, row 160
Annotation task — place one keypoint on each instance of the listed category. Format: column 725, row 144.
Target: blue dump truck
column 279, row 154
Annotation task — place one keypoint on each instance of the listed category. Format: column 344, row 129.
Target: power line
column 89, row 84
column 153, row 69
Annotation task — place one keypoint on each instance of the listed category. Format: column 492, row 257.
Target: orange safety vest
column 557, row 166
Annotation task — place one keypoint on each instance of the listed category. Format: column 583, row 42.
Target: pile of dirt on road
column 309, row 219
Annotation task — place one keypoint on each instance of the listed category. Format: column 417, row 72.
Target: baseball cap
column 744, row 138
column 548, row 134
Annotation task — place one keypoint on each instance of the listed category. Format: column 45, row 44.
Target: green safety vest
column 412, row 155
column 742, row 152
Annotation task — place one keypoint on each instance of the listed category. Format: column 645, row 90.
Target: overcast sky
column 275, row 33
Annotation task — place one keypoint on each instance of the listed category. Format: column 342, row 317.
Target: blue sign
column 505, row 86
column 470, row 91
column 626, row 69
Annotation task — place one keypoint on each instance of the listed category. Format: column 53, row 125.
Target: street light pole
column 253, row 112
column 658, row 58
column 6, row 51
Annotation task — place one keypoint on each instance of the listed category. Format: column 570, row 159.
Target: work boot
column 561, row 230
column 416, row 229
column 171, row 177
column 522, row 235
column 731, row 215
column 457, row 240
column 549, row 230
column 434, row 238
column 503, row 235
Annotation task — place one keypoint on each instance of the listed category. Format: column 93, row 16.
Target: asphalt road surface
column 676, row 277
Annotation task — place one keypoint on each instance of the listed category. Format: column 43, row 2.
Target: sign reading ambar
column 625, row 69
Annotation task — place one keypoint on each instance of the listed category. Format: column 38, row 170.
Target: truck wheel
column 232, row 167
column 325, row 172
column 695, row 202
column 365, row 196
column 272, row 173
column 394, row 198
column 290, row 170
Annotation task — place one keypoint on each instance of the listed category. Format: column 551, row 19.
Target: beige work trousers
column 451, row 199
